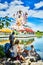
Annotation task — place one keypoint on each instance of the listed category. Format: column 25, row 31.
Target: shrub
column 2, row 54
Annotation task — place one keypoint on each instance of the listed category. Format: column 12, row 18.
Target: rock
column 16, row 63
column 1, row 64
column 32, row 59
column 10, row 62
column 27, row 62
column 13, row 63
column 37, row 63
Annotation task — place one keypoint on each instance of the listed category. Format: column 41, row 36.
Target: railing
column 19, row 35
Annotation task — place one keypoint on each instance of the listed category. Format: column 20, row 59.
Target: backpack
column 7, row 47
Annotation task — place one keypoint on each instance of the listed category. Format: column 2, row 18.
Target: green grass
column 39, row 34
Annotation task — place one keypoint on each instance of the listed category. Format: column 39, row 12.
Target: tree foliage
column 2, row 54
column 4, row 22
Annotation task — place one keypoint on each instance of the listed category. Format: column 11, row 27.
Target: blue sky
column 34, row 8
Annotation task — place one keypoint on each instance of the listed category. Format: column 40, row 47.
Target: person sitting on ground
column 14, row 53
column 34, row 53
column 13, row 50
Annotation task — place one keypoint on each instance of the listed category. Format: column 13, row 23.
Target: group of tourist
column 14, row 51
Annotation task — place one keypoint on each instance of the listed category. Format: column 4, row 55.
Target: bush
column 2, row 54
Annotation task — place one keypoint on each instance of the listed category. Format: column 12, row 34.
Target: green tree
column 7, row 21
column 2, row 54
column 4, row 22
column 1, row 23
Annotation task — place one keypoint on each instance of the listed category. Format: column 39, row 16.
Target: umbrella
column 6, row 30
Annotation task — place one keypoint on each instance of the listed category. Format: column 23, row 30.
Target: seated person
column 14, row 52
column 34, row 53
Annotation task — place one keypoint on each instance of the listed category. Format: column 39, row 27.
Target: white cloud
column 37, row 13
column 38, row 5
column 35, row 27
column 2, row 14
column 13, row 8
column 34, row 13
column 16, row 2
column 5, row 5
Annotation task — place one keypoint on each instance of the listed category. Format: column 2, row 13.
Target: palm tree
column 7, row 23
column 1, row 23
